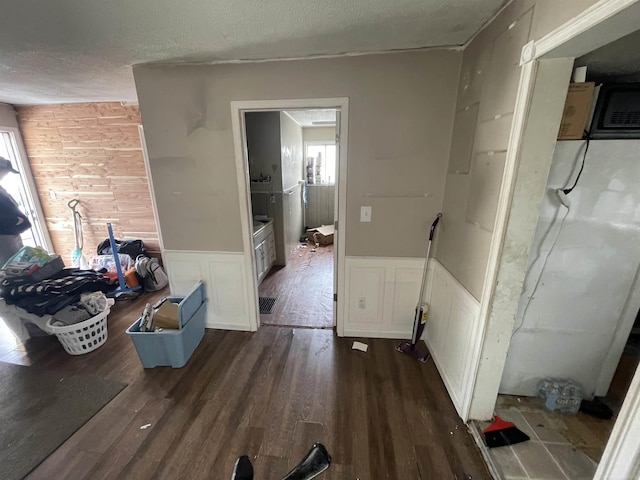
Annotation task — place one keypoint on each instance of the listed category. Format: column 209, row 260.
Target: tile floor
column 549, row 455
column 561, row 446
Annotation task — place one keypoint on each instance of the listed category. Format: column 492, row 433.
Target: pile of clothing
column 90, row 305
column 50, row 296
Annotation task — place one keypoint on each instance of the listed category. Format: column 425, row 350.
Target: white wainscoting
column 228, row 306
column 380, row 302
column 453, row 316
column 380, row 296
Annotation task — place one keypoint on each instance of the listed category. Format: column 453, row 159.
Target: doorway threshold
column 297, row 327
column 561, row 446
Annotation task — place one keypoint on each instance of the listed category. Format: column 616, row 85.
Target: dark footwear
column 243, row 469
column 313, row 464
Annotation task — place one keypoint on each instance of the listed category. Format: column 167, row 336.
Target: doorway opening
column 292, row 165
column 21, row 188
column 573, row 340
column 578, row 313
column 574, row 296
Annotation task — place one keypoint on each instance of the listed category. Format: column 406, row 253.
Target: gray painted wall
column 400, row 121
column 263, row 148
column 484, row 112
column 319, row 134
column 401, row 115
column 8, row 116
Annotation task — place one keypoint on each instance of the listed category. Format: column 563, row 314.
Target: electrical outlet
column 52, row 194
column 362, row 302
column 272, row 199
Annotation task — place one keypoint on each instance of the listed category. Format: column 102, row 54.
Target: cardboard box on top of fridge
column 322, row 235
column 576, row 112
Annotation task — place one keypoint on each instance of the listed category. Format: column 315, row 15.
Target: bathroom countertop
column 259, row 225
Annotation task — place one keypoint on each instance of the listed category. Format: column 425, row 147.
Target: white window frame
column 22, row 163
column 318, row 142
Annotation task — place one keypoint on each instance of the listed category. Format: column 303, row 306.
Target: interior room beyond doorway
column 292, row 158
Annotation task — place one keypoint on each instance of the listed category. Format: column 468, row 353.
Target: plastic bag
column 98, row 262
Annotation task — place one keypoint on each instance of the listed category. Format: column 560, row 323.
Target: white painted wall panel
column 582, row 311
column 224, row 277
column 450, row 331
column 293, row 219
column 291, row 152
column 405, row 295
column 389, row 287
column 366, row 285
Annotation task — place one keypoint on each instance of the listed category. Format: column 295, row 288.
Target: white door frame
column 32, row 189
column 242, row 175
column 152, row 192
column 598, row 25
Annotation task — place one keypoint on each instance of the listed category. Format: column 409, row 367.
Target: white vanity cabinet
column 264, row 246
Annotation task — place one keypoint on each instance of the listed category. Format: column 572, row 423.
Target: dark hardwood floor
column 303, row 289
column 270, row 395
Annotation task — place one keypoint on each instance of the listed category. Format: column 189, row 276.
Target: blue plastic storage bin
column 173, row 347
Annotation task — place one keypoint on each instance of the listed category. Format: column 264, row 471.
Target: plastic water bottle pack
column 560, row 395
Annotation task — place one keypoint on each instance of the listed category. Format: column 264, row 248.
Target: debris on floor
column 144, row 427
column 322, row 235
column 363, row 347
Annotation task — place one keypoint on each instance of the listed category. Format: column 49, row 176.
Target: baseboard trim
column 376, row 334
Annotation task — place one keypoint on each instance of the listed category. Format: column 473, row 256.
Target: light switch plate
column 365, row 214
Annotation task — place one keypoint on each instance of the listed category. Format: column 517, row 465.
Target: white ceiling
column 82, row 50
column 313, row 118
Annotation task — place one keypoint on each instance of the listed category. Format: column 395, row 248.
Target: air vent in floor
column 266, row 304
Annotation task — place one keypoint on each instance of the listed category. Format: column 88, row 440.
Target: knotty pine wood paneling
column 92, row 152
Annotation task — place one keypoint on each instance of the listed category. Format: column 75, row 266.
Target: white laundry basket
column 82, row 337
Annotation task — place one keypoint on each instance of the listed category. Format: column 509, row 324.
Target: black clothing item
column 133, row 248
column 10, row 215
column 53, row 294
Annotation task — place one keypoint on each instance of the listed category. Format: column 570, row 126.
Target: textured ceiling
column 617, row 61
column 313, row 118
column 82, row 50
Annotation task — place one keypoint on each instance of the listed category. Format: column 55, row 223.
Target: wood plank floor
column 303, row 289
column 270, row 395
